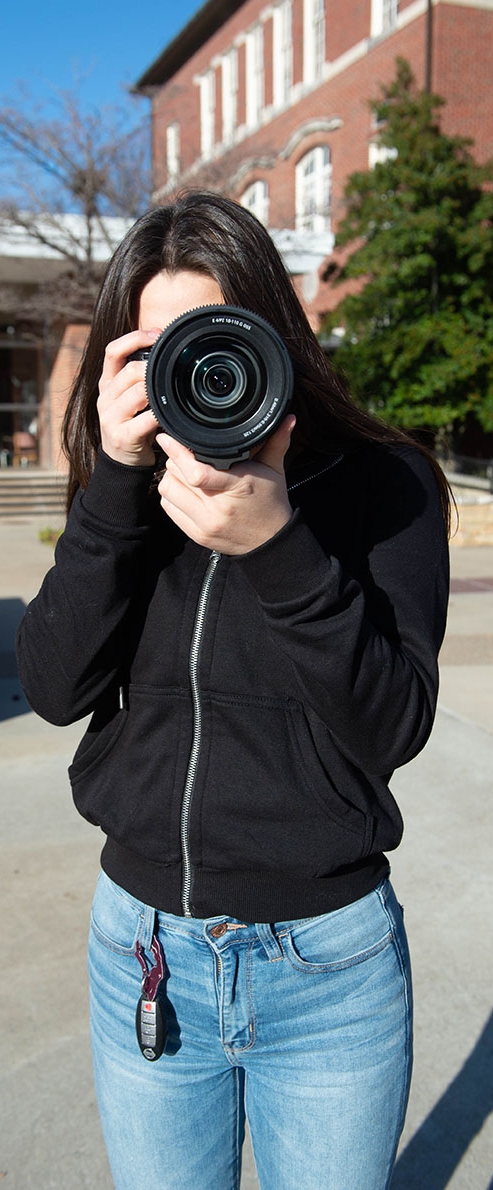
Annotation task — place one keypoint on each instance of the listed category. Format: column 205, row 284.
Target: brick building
column 268, row 102
column 39, row 357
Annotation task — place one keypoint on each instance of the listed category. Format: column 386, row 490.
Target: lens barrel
column 219, row 379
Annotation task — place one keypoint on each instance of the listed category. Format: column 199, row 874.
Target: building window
column 282, row 52
column 314, row 40
column 379, row 154
column 383, row 16
column 318, row 36
column 173, row 150
column 256, row 199
column 230, row 94
column 254, row 76
column 207, row 112
column 313, row 186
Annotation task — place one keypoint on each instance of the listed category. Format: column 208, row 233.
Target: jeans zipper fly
column 194, row 661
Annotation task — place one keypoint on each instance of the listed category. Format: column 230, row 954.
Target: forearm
column 374, row 687
column 71, row 642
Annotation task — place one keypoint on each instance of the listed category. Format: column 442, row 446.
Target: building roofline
column 61, row 236
column 206, row 21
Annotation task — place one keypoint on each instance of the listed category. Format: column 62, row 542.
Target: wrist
column 140, row 457
column 265, row 534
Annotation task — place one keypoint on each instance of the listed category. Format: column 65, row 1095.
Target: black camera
column 219, row 379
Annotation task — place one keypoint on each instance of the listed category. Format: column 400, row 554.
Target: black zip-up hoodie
column 248, row 711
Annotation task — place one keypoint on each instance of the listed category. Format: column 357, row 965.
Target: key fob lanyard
column 149, row 1019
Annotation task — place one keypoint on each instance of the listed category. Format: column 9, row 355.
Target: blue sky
column 49, row 44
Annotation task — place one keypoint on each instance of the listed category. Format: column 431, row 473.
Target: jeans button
column 218, row 931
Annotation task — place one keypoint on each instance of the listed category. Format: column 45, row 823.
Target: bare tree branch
column 68, row 172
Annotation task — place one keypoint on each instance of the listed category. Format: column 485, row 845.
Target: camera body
column 219, row 379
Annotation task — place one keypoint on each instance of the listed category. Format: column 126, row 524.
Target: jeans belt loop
column 148, row 923
column 269, row 941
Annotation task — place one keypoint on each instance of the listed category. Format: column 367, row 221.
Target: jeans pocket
column 116, row 917
column 341, row 939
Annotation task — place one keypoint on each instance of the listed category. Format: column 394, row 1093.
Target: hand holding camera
column 233, row 511
column 219, row 381
column 126, row 437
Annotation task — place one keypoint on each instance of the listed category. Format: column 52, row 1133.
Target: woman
column 258, row 649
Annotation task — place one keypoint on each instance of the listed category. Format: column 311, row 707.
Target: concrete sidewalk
column 442, row 872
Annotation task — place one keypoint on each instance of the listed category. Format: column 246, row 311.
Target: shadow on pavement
column 12, row 700
column 437, row 1148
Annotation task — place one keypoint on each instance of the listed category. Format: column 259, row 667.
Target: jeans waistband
column 219, row 931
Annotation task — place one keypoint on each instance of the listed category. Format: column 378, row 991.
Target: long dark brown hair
column 212, row 235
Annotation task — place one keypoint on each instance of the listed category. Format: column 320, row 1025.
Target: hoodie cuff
column 289, row 565
column 117, row 493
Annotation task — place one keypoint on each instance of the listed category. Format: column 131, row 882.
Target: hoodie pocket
column 339, row 788
column 264, row 799
column 124, row 774
column 97, row 743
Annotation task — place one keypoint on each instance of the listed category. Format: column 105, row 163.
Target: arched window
column 313, row 187
column 256, row 199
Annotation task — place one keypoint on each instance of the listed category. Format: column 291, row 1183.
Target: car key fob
column 151, row 1032
column 149, row 1019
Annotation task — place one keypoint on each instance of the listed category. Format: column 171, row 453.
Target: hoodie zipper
column 193, row 666
column 315, row 475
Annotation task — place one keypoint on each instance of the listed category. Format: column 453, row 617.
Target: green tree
column 418, row 347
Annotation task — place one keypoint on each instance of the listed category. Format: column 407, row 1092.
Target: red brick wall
column 218, row 76
column 463, row 73
column 66, row 363
column 346, row 25
column 462, row 41
column 297, row 31
column 241, row 99
column 268, row 71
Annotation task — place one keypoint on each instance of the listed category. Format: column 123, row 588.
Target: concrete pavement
column 443, row 873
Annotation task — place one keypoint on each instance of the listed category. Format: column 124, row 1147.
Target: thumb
column 273, row 452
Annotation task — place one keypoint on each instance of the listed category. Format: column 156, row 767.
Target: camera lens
column 219, row 379
column 220, row 382
column 215, row 383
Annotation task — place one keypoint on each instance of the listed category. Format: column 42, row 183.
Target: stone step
column 26, row 492
column 473, row 523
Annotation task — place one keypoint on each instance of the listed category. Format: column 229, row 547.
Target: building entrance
column 21, row 391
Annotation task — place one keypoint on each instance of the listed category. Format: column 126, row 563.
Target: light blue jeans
column 303, row 1025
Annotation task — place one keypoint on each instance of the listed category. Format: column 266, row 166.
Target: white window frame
column 229, row 68
column 173, row 150
column 282, row 61
column 207, row 83
column 254, row 76
column 379, row 154
column 313, row 190
column 313, row 40
column 256, row 199
column 384, row 15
